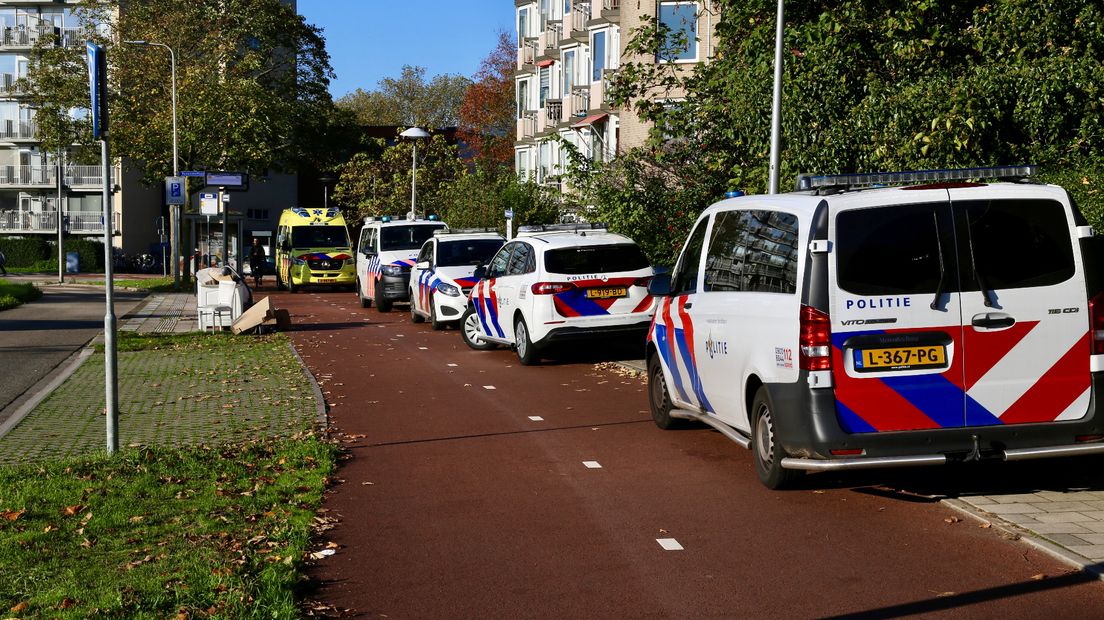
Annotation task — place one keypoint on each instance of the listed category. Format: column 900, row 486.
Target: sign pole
column 225, row 232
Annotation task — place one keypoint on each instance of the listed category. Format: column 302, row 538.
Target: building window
column 568, row 71
column 523, row 26
column 257, row 214
column 545, row 84
column 681, row 20
column 566, row 6
column 598, row 55
column 522, row 98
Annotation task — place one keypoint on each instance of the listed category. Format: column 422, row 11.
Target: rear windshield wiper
column 977, row 274
column 942, row 267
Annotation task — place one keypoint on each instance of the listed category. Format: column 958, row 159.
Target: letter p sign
column 174, row 191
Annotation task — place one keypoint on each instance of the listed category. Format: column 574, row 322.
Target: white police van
column 442, row 278
column 852, row 325
column 560, row 283
column 385, row 253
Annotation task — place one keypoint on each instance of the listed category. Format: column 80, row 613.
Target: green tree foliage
column 482, row 196
column 409, row 100
column 868, row 86
column 252, row 82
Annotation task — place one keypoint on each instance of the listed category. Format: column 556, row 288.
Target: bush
column 40, row 254
column 23, row 252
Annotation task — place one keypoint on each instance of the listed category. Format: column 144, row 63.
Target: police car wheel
column 364, row 301
column 414, row 316
column 382, row 305
column 523, row 346
column 433, row 322
column 469, row 330
column 768, row 454
column 659, row 398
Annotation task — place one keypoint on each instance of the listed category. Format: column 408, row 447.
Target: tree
column 487, row 112
column 409, row 100
column 252, row 82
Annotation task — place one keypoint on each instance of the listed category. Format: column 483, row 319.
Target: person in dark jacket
column 257, row 261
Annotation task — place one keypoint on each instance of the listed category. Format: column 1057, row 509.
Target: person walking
column 3, row 263
column 257, row 261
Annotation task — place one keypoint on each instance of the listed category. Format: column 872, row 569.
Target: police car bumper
column 450, row 308
column 597, row 331
column 808, row 430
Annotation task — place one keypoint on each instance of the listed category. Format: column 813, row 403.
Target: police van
column 386, row 250
column 882, row 320
column 443, row 276
column 312, row 248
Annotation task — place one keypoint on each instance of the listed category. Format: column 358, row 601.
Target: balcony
column 611, row 8
column 549, row 40
column 28, row 176
column 11, row 129
column 526, row 126
column 553, row 114
column 527, row 54
column 576, row 104
column 580, row 15
column 86, row 176
column 10, row 84
column 46, row 221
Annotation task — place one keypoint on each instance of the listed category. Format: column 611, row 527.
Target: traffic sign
column 509, row 214
column 97, row 85
column 228, row 180
column 193, row 173
column 174, row 191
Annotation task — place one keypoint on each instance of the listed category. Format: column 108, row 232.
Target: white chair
column 222, row 311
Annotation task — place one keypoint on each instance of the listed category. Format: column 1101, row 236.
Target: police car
column 851, row 325
column 386, row 250
column 442, row 279
column 573, row 282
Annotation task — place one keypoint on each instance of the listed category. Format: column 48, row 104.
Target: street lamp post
column 325, row 181
column 174, row 216
column 414, row 134
column 776, row 104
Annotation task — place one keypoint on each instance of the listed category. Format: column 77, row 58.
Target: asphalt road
column 36, row 337
column 456, row 502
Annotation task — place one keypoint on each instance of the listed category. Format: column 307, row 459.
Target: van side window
column 497, row 267
column 685, row 277
column 1019, row 243
column 752, row 251
column 889, row 250
column 520, row 260
column 427, row 252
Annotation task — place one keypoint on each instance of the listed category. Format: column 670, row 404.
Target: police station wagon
column 442, row 278
column 560, row 283
column 852, row 325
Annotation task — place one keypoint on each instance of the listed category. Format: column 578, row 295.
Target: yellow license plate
column 901, row 358
column 607, row 293
column 326, row 280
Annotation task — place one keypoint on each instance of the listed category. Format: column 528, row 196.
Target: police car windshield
column 595, row 259
column 406, row 237
column 319, row 237
column 470, row 252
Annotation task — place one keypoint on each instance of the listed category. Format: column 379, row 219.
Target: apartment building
column 567, row 51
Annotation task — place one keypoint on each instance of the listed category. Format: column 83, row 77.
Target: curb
column 319, row 400
column 1015, row 532
column 46, row 386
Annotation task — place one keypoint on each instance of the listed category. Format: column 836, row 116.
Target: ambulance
column 313, row 249
column 880, row 320
column 386, row 251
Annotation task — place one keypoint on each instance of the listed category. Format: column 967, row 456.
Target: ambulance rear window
column 595, row 259
column 319, row 237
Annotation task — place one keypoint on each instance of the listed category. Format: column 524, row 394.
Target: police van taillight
column 551, row 288
column 1096, row 324
column 815, row 340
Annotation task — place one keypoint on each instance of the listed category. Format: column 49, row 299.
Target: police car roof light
column 464, row 231
column 538, row 228
column 432, row 217
column 385, row 219
column 811, row 181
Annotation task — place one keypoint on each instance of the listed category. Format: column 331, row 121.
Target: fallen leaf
column 944, row 594
column 66, row 603
column 72, row 510
column 985, row 526
column 12, row 515
column 19, row 607
column 952, row 520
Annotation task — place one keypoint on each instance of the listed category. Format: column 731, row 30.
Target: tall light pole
column 325, row 181
column 414, row 134
column 776, row 107
column 174, row 216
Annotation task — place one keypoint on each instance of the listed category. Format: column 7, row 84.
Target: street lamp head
column 414, row 133
column 137, row 42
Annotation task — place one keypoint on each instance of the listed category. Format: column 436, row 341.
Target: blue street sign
column 174, row 191
column 97, row 86
column 193, row 173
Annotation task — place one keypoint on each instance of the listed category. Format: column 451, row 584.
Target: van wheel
column 659, row 398
column 767, row 452
column 469, row 330
column 433, row 322
column 291, row 284
column 526, row 351
column 414, row 316
column 382, row 305
column 364, row 301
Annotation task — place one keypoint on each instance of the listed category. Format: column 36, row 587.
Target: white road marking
column 489, row 387
column 669, row 544
column 592, row 464
column 423, row 348
column 536, row 418
column 452, row 365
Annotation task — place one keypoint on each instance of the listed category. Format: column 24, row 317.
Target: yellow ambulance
column 313, row 249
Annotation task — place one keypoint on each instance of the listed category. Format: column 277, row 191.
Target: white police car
column 847, row 325
column 442, row 279
column 385, row 253
column 556, row 284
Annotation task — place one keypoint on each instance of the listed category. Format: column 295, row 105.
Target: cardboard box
column 262, row 315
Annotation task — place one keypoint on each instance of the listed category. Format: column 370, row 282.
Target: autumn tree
column 487, row 111
column 252, row 82
column 409, row 100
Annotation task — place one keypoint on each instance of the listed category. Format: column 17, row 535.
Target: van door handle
column 688, row 305
column 993, row 320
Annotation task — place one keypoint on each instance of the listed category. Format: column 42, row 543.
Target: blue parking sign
column 174, row 191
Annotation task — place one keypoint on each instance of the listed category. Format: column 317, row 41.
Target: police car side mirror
column 480, row 272
column 660, row 285
column 367, row 252
column 422, row 265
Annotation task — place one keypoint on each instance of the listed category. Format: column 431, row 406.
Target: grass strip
column 13, row 294
column 153, row 285
column 207, row 531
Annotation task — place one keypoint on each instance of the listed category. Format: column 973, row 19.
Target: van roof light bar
column 538, row 228
column 811, row 181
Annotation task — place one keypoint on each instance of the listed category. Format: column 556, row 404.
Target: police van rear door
column 895, row 311
column 1024, row 305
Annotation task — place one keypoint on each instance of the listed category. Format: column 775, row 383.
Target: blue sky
column 372, row 39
